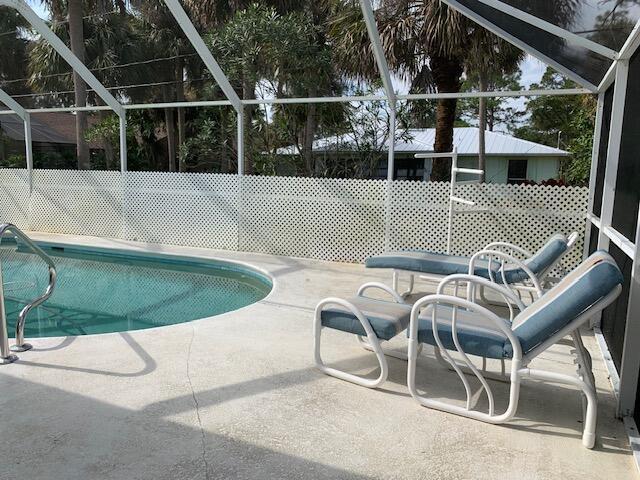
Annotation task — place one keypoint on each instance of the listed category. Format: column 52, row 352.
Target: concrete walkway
column 236, row 396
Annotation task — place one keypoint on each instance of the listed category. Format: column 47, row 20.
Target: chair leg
column 395, row 283
column 591, row 413
column 455, row 409
column 349, row 377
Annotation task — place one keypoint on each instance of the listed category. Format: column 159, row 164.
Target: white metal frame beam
column 551, row 28
column 520, row 44
column 383, row 68
column 613, row 151
column 594, row 172
column 273, row 101
column 212, row 65
column 6, row 99
column 203, row 51
column 80, row 68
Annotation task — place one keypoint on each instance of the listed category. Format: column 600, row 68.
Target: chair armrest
column 508, row 246
column 504, row 260
column 441, row 299
column 472, row 281
column 381, row 286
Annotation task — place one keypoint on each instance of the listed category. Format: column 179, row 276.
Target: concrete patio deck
column 236, row 396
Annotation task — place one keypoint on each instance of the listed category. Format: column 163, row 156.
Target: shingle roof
column 53, row 128
column 464, row 138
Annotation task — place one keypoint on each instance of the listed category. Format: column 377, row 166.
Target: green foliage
column 500, row 110
column 564, row 121
column 212, row 145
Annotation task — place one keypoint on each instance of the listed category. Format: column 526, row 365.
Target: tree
column 14, row 51
column 563, row 122
column 499, row 109
column 108, row 41
column 259, row 46
column 431, row 45
column 488, row 57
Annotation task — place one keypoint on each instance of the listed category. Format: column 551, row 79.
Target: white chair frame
column 372, row 342
column 519, row 370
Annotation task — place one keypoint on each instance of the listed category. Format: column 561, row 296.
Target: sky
column 39, row 8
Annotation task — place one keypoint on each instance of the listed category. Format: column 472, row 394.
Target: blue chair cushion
column 477, row 336
column 592, row 280
column 441, row 264
column 387, row 319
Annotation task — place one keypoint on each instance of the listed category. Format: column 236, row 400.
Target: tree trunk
column 76, row 34
column 482, row 125
column 170, row 128
column 446, row 75
column 109, row 153
column 181, row 115
column 490, row 119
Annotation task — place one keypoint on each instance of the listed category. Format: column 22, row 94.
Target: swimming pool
column 102, row 290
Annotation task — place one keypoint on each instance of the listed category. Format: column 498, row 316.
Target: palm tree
column 423, row 40
column 75, row 13
column 488, row 56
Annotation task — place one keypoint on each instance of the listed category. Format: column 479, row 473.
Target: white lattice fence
column 14, row 188
column 329, row 219
column 523, row 215
column 194, row 209
column 78, row 202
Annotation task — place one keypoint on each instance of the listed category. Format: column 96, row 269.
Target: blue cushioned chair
column 498, row 261
column 453, row 324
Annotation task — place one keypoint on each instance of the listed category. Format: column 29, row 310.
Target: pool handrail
column 21, row 345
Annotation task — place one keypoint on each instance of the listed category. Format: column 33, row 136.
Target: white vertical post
column 452, row 192
column 240, row 141
column 630, row 366
column 123, row 142
column 28, row 145
column 383, row 67
column 594, row 170
column 613, row 150
column 390, row 175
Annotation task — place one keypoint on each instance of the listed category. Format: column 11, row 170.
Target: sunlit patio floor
column 236, row 396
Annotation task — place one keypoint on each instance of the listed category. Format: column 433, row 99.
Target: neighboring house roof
column 53, row 128
column 422, row 139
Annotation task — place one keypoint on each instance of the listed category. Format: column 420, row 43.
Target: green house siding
column 538, row 168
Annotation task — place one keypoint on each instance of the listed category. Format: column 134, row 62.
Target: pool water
column 101, row 291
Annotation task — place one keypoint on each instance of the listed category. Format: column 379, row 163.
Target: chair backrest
column 592, row 281
column 548, row 254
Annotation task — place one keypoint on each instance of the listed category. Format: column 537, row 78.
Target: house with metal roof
column 508, row 159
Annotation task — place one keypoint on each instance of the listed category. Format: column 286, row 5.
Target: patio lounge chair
column 461, row 327
column 525, row 274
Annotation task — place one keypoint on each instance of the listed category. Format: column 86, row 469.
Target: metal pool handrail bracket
column 21, row 345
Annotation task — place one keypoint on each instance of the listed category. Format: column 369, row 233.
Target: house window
column 517, row 172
